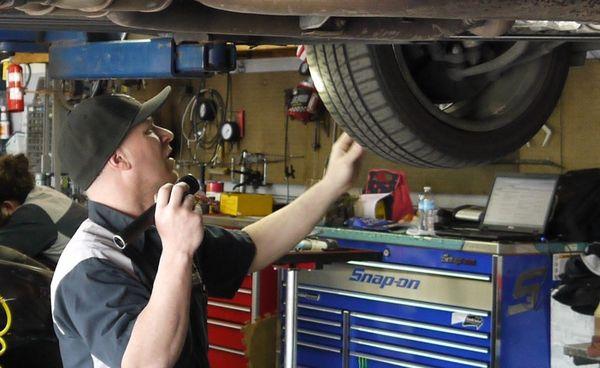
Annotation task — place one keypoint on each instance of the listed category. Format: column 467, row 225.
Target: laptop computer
column 518, row 209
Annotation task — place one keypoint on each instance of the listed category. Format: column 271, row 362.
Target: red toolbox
column 226, row 317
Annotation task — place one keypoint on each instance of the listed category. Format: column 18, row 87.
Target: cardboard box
column 244, row 204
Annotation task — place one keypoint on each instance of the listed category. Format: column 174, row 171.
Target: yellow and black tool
column 4, row 331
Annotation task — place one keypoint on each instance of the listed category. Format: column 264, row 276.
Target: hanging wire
column 229, row 98
column 198, row 134
column 286, row 158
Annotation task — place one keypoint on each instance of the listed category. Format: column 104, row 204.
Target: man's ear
column 119, row 160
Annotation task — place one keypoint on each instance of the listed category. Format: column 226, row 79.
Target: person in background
column 35, row 220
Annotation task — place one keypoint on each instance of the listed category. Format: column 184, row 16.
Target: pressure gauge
column 207, row 110
column 230, row 131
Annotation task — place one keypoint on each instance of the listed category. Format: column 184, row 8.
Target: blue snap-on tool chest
column 430, row 303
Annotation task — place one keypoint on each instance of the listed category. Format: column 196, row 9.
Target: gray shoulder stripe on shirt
column 90, row 241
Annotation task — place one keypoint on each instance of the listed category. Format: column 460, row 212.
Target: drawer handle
column 319, row 321
column 319, row 347
column 320, row 309
column 320, row 334
column 313, row 297
column 215, row 322
column 228, row 306
column 227, row 350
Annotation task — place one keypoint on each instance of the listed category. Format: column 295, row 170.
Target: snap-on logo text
column 359, row 275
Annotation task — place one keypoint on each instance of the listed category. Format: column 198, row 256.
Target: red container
column 215, row 186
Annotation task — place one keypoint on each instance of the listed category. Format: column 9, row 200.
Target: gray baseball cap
column 96, row 127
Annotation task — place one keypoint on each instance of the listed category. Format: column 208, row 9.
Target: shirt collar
column 115, row 221
column 107, row 217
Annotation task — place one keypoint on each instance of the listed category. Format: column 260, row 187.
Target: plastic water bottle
column 421, row 215
column 429, row 211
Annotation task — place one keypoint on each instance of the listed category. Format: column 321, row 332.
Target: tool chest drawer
column 317, row 311
column 225, row 334
column 442, row 259
column 406, row 357
column 224, row 357
column 401, row 283
column 318, row 356
column 228, row 312
column 435, row 314
column 247, row 283
column 242, row 297
column 405, row 343
column 470, row 339
column 318, row 331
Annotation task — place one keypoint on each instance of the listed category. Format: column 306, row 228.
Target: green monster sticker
column 362, row 362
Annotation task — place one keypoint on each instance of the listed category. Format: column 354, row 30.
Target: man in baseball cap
column 111, row 309
column 95, row 129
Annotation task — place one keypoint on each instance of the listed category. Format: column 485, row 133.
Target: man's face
column 147, row 149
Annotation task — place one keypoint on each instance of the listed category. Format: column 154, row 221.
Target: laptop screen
column 520, row 203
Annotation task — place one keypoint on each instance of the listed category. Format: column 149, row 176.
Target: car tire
column 373, row 97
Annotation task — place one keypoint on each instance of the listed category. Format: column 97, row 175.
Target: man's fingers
column 162, row 198
column 355, row 152
column 189, row 202
column 344, row 142
column 178, row 192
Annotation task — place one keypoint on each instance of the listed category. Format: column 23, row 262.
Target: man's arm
column 279, row 232
column 163, row 324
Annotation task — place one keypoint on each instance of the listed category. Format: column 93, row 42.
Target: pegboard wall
column 572, row 145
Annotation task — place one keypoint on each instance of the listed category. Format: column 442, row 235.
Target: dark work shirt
column 98, row 292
